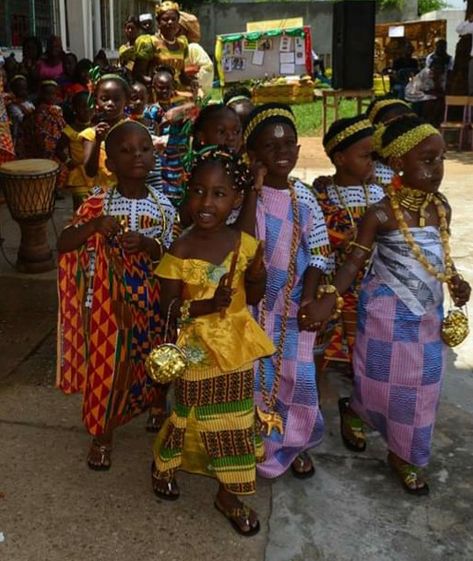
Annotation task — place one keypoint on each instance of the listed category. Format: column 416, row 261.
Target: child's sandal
column 240, row 518
column 99, row 457
column 156, row 419
column 353, row 425
column 164, row 485
column 301, row 461
column 409, row 475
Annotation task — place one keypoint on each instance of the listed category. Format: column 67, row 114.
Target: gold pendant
column 270, row 420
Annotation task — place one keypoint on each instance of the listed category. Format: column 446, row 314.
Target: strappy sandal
column 99, row 457
column 155, row 420
column 170, row 490
column 409, row 475
column 301, row 461
column 355, row 425
column 239, row 518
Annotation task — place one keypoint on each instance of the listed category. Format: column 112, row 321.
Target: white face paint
column 278, row 131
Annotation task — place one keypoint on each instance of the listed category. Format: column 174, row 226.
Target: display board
column 258, row 55
column 391, row 38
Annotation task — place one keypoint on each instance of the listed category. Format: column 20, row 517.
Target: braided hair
column 232, row 164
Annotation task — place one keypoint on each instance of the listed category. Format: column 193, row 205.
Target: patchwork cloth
column 297, row 402
column 399, row 357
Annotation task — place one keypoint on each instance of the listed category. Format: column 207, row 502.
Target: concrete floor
column 52, row 508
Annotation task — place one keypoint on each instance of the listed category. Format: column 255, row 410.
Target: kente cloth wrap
column 211, row 430
column 335, row 343
column 109, row 317
column 399, row 357
column 297, row 401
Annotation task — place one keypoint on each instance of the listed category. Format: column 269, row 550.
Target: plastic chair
column 460, row 127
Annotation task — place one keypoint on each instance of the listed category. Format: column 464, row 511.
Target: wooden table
column 333, row 98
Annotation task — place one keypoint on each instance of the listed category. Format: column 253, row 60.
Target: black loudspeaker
column 353, row 44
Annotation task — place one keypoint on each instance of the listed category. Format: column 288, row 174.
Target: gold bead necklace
column 415, row 201
column 396, row 203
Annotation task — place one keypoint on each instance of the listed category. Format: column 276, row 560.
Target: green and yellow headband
column 383, row 104
column 264, row 115
column 354, row 132
column 404, row 143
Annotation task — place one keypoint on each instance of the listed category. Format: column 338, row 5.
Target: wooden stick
column 231, row 272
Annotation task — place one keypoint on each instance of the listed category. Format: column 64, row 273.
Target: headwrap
column 345, row 132
column 267, row 114
column 382, row 106
column 408, row 140
column 166, row 7
column 233, row 164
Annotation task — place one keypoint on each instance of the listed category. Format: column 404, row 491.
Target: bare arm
column 73, row 237
column 91, row 157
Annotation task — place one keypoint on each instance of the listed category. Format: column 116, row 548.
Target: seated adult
column 404, row 68
column 426, row 92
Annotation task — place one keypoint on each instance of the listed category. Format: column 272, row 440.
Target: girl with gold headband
column 284, row 213
column 399, row 355
column 344, row 200
column 380, row 112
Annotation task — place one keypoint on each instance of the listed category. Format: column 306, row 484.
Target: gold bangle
column 339, row 301
column 363, row 247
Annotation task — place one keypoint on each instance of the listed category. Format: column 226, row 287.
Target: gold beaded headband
column 407, row 141
column 379, row 105
column 267, row 114
column 49, row 83
column 359, row 126
column 378, row 137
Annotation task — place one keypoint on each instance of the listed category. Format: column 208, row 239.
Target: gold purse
column 455, row 328
column 166, row 362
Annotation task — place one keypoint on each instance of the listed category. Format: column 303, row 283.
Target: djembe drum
column 28, row 186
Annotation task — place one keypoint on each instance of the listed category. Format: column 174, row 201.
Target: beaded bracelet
column 185, row 312
column 339, row 302
column 363, row 247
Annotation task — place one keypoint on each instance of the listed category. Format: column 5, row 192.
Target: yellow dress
column 78, row 181
column 105, row 178
column 211, row 429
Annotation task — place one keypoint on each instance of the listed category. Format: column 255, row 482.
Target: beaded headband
column 354, row 132
column 125, row 122
column 17, row 77
column 406, row 142
column 236, row 98
column 49, row 83
column 378, row 137
column 382, row 104
column 263, row 116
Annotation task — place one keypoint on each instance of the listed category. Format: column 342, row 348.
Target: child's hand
column 132, row 242
column 259, row 171
column 101, row 131
column 314, row 313
column 223, row 295
column 460, row 290
column 256, row 270
column 106, row 225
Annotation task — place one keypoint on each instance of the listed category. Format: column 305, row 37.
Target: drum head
column 29, row 167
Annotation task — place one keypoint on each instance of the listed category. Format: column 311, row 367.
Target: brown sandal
column 155, row 420
column 164, row 485
column 351, row 427
column 410, row 476
column 297, row 466
column 239, row 518
column 99, row 457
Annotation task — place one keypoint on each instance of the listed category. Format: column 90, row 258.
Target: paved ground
column 52, row 508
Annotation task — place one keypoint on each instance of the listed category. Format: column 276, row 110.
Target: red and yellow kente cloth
column 7, row 150
column 102, row 348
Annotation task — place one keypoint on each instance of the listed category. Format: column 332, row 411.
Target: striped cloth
column 399, row 358
column 297, row 401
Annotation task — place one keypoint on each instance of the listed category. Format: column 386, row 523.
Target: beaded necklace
column 270, row 419
column 396, row 200
column 416, row 201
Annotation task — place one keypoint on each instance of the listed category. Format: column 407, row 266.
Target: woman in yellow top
column 208, row 278
column 72, row 146
column 127, row 52
column 111, row 96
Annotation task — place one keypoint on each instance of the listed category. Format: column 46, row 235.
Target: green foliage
column 425, row 6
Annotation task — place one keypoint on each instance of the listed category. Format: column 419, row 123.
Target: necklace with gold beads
column 270, row 419
column 397, row 200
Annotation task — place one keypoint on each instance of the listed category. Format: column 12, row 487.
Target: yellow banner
column 274, row 24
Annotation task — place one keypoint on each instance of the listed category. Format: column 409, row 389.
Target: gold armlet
column 363, row 247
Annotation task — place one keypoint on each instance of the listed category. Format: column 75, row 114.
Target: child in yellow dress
column 78, row 182
column 212, row 428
